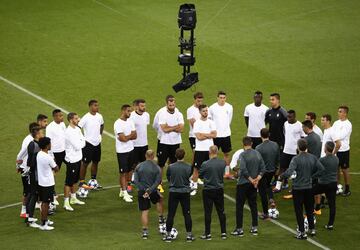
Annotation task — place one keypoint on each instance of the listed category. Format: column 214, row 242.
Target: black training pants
column 174, row 199
column 246, row 192
column 330, row 192
column 304, row 197
column 265, row 190
column 216, row 197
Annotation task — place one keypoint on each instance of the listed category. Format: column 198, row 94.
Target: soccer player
column 42, row 120
column 306, row 166
column 74, row 143
column 328, row 133
column 221, row 113
column 293, row 132
column 178, row 175
column 205, row 132
column 56, row 132
column 125, row 134
column 327, row 182
column 192, row 115
column 147, row 178
column 270, row 152
column 252, row 168
column 92, row 124
column 23, row 169
column 311, row 116
column 45, row 167
column 313, row 139
column 141, row 119
column 254, row 115
column 213, row 193
column 342, row 129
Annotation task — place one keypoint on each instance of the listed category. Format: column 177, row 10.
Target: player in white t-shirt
column 254, row 115
column 221, row 113
column 46, row 181
column 293, row 132
column 193, row 114
column 92, row 124
column 311, row 116
column 342, row 131
column 205, row 132
column 328, row 133
column 125, row 134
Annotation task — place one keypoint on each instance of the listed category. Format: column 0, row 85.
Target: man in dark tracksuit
column 146, row 178
column 270, row 152
column 212, row 171
column 251, row 170
column 307, row 167
column 178, row 175
column 328, row 181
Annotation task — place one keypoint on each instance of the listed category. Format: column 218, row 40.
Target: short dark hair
column 35, row 130
column 302, row 144
column 138, row 101
column 329, row 146
column 291, row 111
column 198, row 95
column 41, row 117
column 327, row 117
column 220, row 92
column 55, row 111
column 276, row 95
column 264, row 133
column 125, row 106
column 344, row 107
column 71, row 115
column 308, row 124
column 33, row 125
column 44, row 142
column 247, row 141
column 202, row 106
column 258, row 92
column 169, row 97
column 92, row 101
column 312, row 115
column 180, row 153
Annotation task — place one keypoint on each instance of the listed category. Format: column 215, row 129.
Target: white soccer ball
column 162, row 228
column 306, row 224
column 83, row 193
column 52, row 207
column 93, row 183
column 340, row 189
column 174, row 233
column 293, row 176
column 274, row 213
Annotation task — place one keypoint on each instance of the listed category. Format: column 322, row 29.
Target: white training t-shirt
column 256, row 118
column 141, row 122
column 56, row 132
column 125, row 127
column 222, row 116
column 328, row 136
column 174, row 119
column 293, row 132
column 45, row 164
column 318, row 131
column 74, row 142
column 235, row 158
column 204, row 127
column 91, row 125
column 192, row 112
column 23, row 153
column 342, row 131
column 156, row 125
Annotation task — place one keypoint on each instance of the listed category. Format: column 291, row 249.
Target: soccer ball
column 173, row 233
column 273, row 213
column 93, row 183
column 52, row 207
column 306, row 224
column 82, row 193
column 162, row 228
column 339, row 189
column 293, row 176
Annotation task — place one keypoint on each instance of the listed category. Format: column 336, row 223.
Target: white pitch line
column 109, row 8
column 215, row 16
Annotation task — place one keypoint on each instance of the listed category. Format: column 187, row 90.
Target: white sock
column 23, row 209
column 73, row 195
column 227, row 170
column 195, row 185
column 278, row 185
column 66, row 199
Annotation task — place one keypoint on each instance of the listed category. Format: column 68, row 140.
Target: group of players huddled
column 285, row 149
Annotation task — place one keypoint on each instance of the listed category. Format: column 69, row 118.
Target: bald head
column 150, row 154
column 213, row 151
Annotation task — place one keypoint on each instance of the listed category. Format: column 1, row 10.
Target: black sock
column 93, row 176
column 43, row 222
column 347, row 188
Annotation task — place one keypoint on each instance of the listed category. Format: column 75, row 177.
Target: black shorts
column 72, row 173
column 144, row 203
column 59, row 158
column 166, row 152
column 223, row 143
column 344, row 159
column 91, row 153
column 200, row 157
column 192, row 141
column 139, row 154
column 285, row 160
column 46, row 194
column 125, row 161
column 26, row 185
column 256, row 141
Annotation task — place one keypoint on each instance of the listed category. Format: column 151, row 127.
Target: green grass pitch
column 115, row 51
